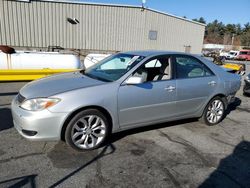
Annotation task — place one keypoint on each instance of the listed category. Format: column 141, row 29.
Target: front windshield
column 243, row 53
column 113, row 67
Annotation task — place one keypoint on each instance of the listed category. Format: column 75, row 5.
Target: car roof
column 147, row 53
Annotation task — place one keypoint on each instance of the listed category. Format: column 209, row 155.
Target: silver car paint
column 129, row 106
column 46, row 123
column 57, row 84
column 148, row 102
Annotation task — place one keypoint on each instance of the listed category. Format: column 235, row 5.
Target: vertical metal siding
column 2, row 25
column 43, row 24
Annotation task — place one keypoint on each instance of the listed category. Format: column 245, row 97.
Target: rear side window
column 189, row 67
column 153, row 63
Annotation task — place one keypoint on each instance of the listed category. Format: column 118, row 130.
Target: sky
column 227, row 11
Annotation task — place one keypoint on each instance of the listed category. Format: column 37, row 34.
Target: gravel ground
column 176, row 154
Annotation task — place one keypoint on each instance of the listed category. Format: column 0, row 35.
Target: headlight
column 39, row 103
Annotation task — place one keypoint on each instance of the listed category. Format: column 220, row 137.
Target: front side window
column 155, row 69
column 114, row 67
column 189, row 67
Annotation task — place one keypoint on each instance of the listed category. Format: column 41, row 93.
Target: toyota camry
column 123, row 91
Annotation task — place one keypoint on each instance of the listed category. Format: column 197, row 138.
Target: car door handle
column 170, row 88
column 212, row 83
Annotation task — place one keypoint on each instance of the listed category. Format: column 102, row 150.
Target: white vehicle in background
column 38, row 61
column 223, row 53
column 10, row 59
column 232, row 54
column 31, row 65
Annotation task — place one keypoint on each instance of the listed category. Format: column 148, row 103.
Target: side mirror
column 134, row 80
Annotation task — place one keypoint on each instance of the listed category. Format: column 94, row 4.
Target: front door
column 151, row 101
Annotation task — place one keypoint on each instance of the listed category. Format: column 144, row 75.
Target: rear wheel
column 87, row 130
column 214, row 111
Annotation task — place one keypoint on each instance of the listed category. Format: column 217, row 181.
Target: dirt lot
column 177, row 154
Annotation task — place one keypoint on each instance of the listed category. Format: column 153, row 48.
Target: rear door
column 195, row 82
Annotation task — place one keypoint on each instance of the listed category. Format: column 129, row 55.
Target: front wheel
column 214, row 111
column 87, row 130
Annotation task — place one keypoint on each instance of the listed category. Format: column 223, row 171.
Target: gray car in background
column 123, row 91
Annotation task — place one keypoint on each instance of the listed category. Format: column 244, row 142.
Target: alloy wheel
column 215, row 111
column 88, row 131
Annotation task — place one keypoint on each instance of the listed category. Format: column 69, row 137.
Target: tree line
column 229, row 34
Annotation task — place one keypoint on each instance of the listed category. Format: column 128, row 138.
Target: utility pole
column 233, row 39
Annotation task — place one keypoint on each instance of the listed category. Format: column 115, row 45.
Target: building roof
column 147, row 53
column 117, row 5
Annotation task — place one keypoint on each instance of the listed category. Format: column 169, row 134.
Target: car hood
column 55, row 84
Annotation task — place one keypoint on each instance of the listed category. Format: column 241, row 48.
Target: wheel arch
column 72, row 114
column 221, row 95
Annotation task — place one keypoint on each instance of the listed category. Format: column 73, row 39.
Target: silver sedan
column 124, row 91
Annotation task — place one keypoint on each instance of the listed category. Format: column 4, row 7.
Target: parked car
column 223, row 54
column 232, row 54
column 238, row 68
column 124, row 91
column 209, row 53
column 246, row 88
column 244, row 55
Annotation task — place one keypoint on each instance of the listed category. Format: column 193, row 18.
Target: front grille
column 20, row 98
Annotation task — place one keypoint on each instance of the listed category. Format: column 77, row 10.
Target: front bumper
column 41, row 125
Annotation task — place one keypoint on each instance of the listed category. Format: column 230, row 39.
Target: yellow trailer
column 29, row 65
column 238, row 68
column 29, row 74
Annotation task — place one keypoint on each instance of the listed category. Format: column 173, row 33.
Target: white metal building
column 74, row 25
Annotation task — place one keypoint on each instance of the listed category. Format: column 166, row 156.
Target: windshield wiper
column 82, row 71
column 98, row 78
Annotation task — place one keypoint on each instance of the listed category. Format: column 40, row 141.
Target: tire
column 214, row 112
column 87, row 130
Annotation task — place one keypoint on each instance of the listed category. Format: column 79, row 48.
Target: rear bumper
column 41, row 125
column 230, row 99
